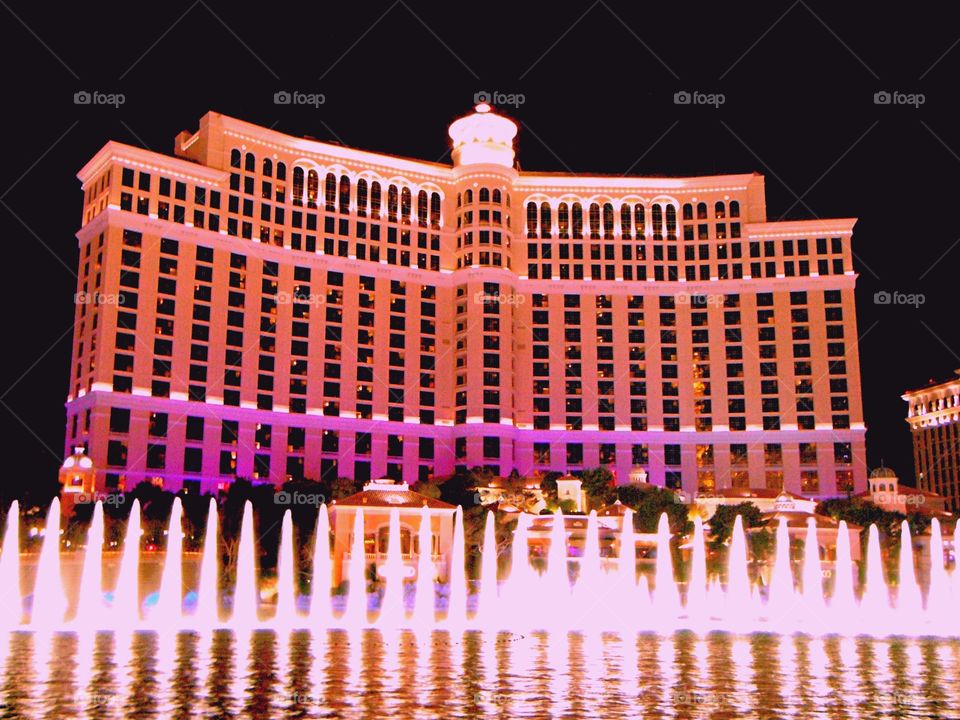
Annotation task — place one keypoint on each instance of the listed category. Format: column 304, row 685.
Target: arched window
column 687, row 211
column 405, row 204
column 422, row 208
column 734, row 209
column 330, row 191
column 313, row 188
column 468, row 197
column 459, row 199
column 577, row 221
column 250, row 163
column 607, row 221
column 656, row 217
column 361, row 197
column 639, row 221
column 625, row 222
column 267, row 167
column 671, row 222
column 497, row 196
column 594, row 221
column 281, row 171
column 435, row 210
column 392, row 200
column 298, row 186
column 375, row 199
column 235, row 158
column 484, row 195
column 719, row 211
column 701, row 211
column 545, row 220
column 344, row 194
column 531, row 219
column 563, row 220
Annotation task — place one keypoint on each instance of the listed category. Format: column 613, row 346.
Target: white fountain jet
column 519, row 590
column 843, row 604
column 49, row 603
column 355, row 613
column 392, row 613
column 245, row 594
column 938, row 613
column 696, row 607
column 909, row 599
column 739, row 611
column 91, row 610
column 457, row 578
column 875, row 612
column 488, row 600
column 125, row 608
column 286, row 616
column 424, row 615
column 666, row 598
column 168, row 611
column 555, row 581
column 320, row 612
column 206, row 616
column 11, row 599
column 781, row 600
column 812, row 581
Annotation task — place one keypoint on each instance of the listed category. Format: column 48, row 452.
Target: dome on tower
column 483, row 137
column 882, row 472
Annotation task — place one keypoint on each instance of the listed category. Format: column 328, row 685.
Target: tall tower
column 485, row 289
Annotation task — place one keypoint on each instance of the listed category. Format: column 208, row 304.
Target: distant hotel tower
column 267, row 307
column 934, row 416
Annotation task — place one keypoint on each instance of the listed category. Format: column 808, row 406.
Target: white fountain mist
column 424, row 614
column 355, row 614
column 207, row 613
column 320, row 579
column 286, row 615
column 168, row 611
column 49, row 602
column 697, row 586
column 10, row 592
column 391, row 604
column 246, row 594
column 91, row 610
column 456, row 575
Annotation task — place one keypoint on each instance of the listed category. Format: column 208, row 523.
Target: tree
column 428, row 490
column 649, row 502
column 344, row 486
column 598, row 483
column 723, row 520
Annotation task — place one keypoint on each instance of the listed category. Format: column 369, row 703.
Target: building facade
column 265, row 306
column 933, row 414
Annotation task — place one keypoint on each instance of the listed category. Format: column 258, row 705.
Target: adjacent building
column 266, row 306
column 933, row 413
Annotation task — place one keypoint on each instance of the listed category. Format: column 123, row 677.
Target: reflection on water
column 365, row 674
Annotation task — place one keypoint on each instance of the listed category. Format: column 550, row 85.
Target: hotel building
column 933, row 413
column 265, row 306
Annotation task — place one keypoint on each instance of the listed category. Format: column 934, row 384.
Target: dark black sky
column 598, row 79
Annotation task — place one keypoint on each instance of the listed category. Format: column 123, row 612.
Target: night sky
column 598, row 82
